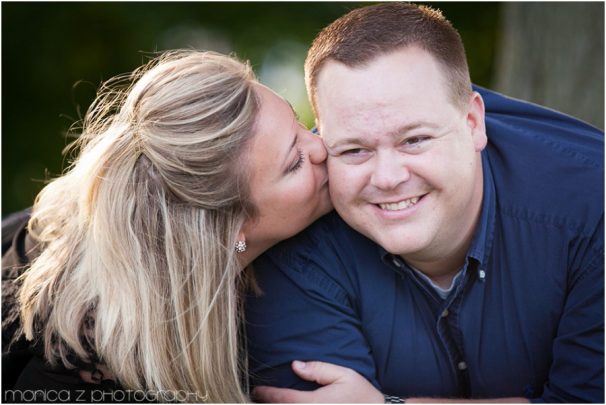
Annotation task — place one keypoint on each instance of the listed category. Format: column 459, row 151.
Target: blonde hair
column 140, row 231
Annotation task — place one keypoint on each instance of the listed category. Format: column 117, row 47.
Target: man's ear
column 475, row 121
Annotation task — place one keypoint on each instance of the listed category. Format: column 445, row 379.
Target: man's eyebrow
column 412, row 126
column 346, row 141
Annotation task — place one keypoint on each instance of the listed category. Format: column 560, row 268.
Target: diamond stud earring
column 240, row 246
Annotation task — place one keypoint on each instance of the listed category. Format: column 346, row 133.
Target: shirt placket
column 447, row 325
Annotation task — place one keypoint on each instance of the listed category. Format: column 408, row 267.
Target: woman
column 183, row 178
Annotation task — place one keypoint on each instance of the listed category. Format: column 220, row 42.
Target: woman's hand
column 340, row 384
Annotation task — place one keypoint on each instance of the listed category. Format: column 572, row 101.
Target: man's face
column 404, row 162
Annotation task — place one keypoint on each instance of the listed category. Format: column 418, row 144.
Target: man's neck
column 441, row 272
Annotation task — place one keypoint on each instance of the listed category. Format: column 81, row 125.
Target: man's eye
column 355, row 151
column 354, row 156
column 415, row 140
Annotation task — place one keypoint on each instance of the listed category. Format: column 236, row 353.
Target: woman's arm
column 343, row 385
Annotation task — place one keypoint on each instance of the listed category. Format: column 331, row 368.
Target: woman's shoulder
column 40, row 382
column 28, row 377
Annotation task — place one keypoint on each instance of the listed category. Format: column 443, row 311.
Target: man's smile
column 400, row 205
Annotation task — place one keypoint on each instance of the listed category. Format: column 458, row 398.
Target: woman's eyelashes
column 298, row 163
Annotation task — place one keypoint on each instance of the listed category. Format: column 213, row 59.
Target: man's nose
column 389, row 171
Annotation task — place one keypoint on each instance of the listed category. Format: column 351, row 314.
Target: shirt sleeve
column 302, row 314
column 577, row 371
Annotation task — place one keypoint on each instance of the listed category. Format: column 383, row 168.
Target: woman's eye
column 298, row 163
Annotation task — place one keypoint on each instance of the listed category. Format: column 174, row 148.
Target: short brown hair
column 363, row 34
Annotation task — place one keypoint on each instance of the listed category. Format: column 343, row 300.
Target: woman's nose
column 315, row 146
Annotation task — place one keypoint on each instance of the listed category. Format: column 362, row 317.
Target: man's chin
column 396, row 246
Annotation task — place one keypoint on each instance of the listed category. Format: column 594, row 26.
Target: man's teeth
column 400, row 205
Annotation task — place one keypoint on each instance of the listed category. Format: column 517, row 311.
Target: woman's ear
column 240, row 245
column 241, row 235
column 475, row 121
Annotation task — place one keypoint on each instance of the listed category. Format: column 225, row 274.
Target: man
column 467, row 261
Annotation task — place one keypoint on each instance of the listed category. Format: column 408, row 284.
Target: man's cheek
column 338, row 170
column 331, row 163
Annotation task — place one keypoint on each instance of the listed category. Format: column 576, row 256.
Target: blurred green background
column 54, row 56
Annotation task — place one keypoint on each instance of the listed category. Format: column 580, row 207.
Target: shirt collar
column 484, row 234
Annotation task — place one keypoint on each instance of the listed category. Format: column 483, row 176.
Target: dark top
column 525, row 319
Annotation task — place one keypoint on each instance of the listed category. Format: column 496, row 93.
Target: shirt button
column 396, row 262
column 444, row 313
column 462, row 366
column 482, row 274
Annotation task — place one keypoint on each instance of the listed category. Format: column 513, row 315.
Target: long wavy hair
column 139, row 233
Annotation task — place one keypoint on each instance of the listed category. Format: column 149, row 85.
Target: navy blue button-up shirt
column 526, row 318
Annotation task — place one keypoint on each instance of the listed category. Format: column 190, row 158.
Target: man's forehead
column 389, row 115
column 405, row 68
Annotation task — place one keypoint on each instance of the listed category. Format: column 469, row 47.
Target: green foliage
column 56, row 54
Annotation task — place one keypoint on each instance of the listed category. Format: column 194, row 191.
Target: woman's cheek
column 303, row 196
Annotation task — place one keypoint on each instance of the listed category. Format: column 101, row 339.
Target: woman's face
column 289, row 182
